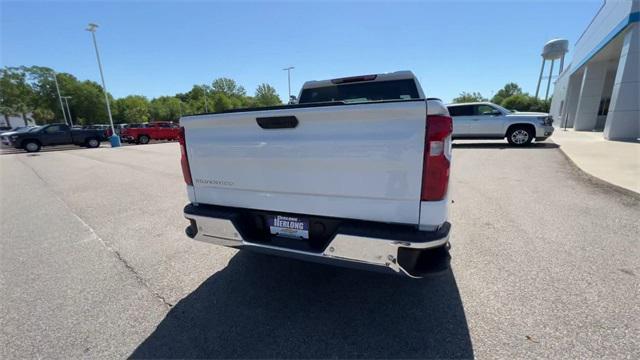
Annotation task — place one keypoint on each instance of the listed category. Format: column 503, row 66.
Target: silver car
column 485, row 120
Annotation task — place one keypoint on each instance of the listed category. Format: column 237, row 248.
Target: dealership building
column 599, row 90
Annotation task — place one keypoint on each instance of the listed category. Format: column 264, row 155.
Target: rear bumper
column 398, row 249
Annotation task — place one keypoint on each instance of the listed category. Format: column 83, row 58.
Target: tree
column 41, row 80
column 16, row 95
column 37, row 92
column 87, row 100
column 508, row 90
column 193, row 100
column 526, row 102
column 540, row 105
column 228, row 87
column 31, row 89
column 469, row 97
column 132, row 109
column 166, row 108
column 266, row 95
column 222, row 102
column 43, row 115
column 519, row 102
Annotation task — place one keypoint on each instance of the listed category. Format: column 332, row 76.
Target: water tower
column 553, row 50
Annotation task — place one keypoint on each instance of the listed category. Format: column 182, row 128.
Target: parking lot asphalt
column 94, row 263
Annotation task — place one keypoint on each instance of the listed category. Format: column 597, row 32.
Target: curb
column 596, row 180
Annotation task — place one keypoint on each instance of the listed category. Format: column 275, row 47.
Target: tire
column 520, row 136
column 31, row 146
column 93, row 143
column 143, row 139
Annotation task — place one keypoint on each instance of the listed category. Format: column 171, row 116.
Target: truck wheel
column 93, row 143
column 143, row 139
column 32, row 146
column 520, row 136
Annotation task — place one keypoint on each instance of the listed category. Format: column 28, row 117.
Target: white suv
column 485, row 120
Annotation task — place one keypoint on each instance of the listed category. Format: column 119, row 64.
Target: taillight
column 184, row 160
column 437, row 155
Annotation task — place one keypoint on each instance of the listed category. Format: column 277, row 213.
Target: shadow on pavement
column 503, row 145
column 268, row 307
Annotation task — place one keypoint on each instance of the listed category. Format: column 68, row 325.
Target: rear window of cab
column 362, row 92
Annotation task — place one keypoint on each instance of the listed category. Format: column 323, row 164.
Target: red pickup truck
column 143, row 133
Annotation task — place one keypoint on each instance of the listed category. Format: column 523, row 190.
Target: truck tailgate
column 358, row 161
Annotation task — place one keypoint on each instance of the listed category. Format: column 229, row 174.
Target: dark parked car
column 6, row 130
column 51, row 135
column 118, row 127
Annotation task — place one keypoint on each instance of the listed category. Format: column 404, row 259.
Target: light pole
column 55, row 80
column 66, row 101
column 206, row 106
column 115, row 139
column 288, row 70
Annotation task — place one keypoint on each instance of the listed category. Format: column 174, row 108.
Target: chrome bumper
column 357, row 250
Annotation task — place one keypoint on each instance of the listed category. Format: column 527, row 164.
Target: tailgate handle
column 277, row 122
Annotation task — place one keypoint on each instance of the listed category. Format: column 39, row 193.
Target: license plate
column 292, row 227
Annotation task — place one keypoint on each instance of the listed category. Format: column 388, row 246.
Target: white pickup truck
column 355, row 174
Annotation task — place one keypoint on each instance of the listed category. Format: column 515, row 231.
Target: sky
column 163, row 48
